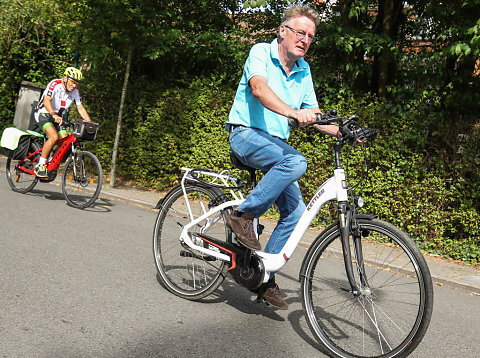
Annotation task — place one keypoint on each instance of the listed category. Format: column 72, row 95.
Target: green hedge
column 407, row 186
column 184, row 127
column 413, row 181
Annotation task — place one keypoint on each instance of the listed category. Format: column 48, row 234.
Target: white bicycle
column 366, row 288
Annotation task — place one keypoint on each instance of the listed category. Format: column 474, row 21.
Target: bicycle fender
column 332, row 227
column 366, row 216
column 160, row 202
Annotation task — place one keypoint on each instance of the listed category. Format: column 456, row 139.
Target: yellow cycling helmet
column 73, row 73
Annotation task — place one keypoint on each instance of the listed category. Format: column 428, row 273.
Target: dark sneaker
column 41, row 171
column 272, row 295
column 242, row 226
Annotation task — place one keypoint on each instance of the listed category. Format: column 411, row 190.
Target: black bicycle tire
column 418, row 330
column 32, row 148
column 99, row 181
column 175, row 194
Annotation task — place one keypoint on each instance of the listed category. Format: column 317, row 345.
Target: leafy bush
column 183, row 128
column 414, row 191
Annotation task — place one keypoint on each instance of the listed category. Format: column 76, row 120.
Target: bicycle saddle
column 238, row 164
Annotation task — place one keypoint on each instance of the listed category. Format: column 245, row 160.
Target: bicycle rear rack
column 213, row 179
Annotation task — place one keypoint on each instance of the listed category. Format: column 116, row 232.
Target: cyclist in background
column 56, row 99
column 276, row 84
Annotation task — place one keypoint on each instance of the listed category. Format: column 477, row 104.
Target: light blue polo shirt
column 295, row 89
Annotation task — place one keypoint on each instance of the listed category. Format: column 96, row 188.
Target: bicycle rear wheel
column 182, row 271
column 391, row 315
column 18, row 180
column 82, row 179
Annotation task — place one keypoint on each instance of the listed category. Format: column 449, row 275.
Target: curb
column 109, row 192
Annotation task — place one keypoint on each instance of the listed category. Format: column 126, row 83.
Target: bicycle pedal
column 263, row 301
column 184, row 253
column 209, row 258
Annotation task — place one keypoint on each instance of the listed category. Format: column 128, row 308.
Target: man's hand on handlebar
column 360, row 141
column 364, row 134
column 303, row 116
column 328, row 129
column 58, row 119
column 347, row 129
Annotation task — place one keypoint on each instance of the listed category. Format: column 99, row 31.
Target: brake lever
column 362, row 135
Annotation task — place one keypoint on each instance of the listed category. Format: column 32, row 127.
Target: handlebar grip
column 293, row 123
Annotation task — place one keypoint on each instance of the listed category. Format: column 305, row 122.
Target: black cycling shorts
column 45, row 120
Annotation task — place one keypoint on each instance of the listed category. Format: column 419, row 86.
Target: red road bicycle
column 82, row 173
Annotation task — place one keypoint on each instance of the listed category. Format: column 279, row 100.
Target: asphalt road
column 79, row 283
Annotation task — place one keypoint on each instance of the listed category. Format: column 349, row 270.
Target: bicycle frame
column 65, row 144
column 334, row 188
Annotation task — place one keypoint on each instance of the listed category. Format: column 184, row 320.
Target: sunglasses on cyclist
column 71, row 82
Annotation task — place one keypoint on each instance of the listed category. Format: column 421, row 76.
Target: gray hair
column 299, row 10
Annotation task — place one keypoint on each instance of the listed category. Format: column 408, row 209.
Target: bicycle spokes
column 82, row 178
column 392, row 309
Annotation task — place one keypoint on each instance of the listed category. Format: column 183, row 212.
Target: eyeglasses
column 71, row 82
column 301, row 34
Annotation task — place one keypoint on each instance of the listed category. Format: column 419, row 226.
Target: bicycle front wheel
column 19, row 180
column 181, row 270
column 390, row 316
column 82, row 179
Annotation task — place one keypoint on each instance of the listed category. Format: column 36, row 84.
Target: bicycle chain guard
column 245, row 266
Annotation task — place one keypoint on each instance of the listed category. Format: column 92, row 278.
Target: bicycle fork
column 349, row 226
column 76, row 176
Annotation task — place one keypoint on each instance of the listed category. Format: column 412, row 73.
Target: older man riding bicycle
column 276, row 85
column 56, row 99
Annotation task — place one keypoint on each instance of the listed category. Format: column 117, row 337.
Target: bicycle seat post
column 253, row 178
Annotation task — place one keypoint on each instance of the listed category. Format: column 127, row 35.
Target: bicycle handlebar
column 350, row 131
column 67, row 123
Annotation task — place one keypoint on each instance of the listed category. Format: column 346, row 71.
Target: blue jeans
column 282, row 166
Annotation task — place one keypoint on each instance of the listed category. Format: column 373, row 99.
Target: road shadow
column 235, row 296
column 245, row 301
column 47, row 194
column 100, row 205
